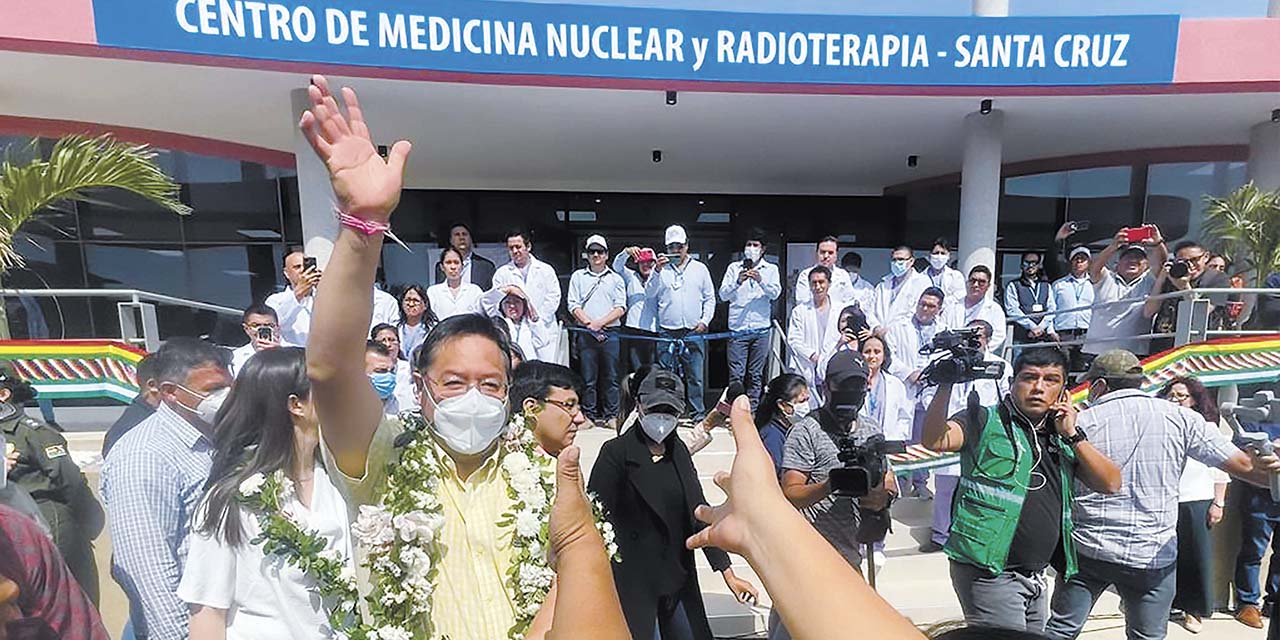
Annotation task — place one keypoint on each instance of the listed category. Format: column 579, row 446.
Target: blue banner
column 482, row 36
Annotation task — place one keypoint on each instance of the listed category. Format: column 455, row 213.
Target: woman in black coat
column 646, row 482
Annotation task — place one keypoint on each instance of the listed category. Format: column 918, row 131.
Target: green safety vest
column 995, row 472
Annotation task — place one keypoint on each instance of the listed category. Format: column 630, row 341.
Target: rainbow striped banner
column 60, row 369
column 1214, row 363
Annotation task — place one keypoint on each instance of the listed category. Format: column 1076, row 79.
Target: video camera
column 865, row 461
column 1262, row 407
column 966, row 363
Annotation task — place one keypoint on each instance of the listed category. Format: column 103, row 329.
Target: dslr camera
column 1179, row 269
column 864, row 462
column 965, row 363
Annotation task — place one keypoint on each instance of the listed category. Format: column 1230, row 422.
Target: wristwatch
column 1079, row 437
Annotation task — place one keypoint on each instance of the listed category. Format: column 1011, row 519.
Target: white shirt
column 385, row 309
column 1119, row 319
column 267, row 598
column 597, row 294
column 894, row 304
column 542, row 288
column 905, row 340
column 294, row 316
column 864, row 295
column 952, row 283
column 446, row 302
column 751, row 302
column 239, row 356
column 990, row 311
column 411, row 337
column 841, row 289
column 639, row 314
column 685, row 296
column 1197, row 481
column 405, row 395
column 530, row 337
column 1070, row 292
column 807, row 338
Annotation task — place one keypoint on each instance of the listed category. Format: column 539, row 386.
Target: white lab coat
column 904, row 340
column 899, row 412
column 294, row 317
column 405, row 394
column 953, row 287
column 542, row 289
column 990, row 311
column 893, row 306
column 446, row 302
column 804, row 341
column 841, row 290
column 385, row 309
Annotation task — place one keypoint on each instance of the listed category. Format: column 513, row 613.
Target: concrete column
column 315, row 196
column 1264, row 153
column 1000, row 8
column 980, row 189
column 1273, row 9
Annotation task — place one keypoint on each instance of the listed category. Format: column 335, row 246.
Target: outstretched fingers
column 311, row 131
column 355, row 114
column 398, row 157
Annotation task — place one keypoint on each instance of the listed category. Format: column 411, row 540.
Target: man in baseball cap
column 598, row 300
column 1074, row 291
column 685, row 297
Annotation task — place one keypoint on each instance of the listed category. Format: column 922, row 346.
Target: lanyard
column 875, row 400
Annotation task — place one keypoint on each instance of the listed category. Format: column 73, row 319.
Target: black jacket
column 482, row 270
column 622, row 480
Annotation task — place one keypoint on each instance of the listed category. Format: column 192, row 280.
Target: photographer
column 260, row 324
column 907, row 340
column 813, row 451
column 1010, row 521
column 1187, row 271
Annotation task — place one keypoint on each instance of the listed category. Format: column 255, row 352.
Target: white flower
column 416, row 562
column 524, row 480
column 394, row 633
column 373, row 528
column 417, row 525
column 515, row 463
column 425, row 500
column 534, row 577
column 528, row 524
column 252, row 485
column 286, row 486
column 348, row 576
column 535, row 498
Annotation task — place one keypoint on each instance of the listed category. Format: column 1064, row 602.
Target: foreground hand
column 1269, row 463
column 10, row 461
column 701, row 328
column 571, row 519
column 752, row 489
column 742, row 589
column 366, row 186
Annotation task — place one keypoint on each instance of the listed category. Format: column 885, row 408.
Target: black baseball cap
column 844, row 367
column 661, row 388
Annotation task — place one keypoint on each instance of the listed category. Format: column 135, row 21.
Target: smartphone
column 672, row 257
column 747, row 263
column 646, row 255
column 265, row 333
column 1079, row 225
column 1145, row 232
column 308, row 263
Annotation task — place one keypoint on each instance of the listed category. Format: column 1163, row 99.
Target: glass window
column 1034, row 205
column 233, row 212
column 1175, row 195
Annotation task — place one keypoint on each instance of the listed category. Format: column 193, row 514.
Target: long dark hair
column 429, row 318
column 254, row 434
column 782, row 388
column 1204, row 403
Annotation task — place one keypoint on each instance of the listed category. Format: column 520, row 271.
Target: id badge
column 1037, row 308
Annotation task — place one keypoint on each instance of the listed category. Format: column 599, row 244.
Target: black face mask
column 843, row 408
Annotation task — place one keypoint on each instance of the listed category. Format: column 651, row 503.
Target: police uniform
column 47, row 472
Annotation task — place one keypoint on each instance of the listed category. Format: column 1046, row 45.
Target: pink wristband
column 361, row 225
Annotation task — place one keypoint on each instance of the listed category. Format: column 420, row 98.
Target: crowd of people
column 368, row 466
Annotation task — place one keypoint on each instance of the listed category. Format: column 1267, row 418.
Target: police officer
column 44, row 468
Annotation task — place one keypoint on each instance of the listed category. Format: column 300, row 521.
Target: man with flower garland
column 441, row 536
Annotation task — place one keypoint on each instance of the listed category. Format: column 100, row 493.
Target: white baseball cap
column 676, row 235
column 1079, row 250
column 597, row 240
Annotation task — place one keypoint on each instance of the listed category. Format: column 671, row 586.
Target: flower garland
column 401, row 536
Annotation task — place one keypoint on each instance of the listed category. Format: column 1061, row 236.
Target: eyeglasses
column 1177, row 396
column 597, row 252
column 410, row 302
column 979, row 281
column 570, row 407
column 675, row 246
column 268, row 325
column 1030, row 263
column 454, row 387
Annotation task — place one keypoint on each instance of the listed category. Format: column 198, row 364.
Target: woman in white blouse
column 416, row 319
column 267, row 424
column 453, row 296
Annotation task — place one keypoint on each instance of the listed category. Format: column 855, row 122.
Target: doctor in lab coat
column 813, row 331
column 541, row 291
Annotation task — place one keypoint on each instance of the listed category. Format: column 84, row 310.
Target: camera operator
column 1011, row 516
column 260, row 324
column 946, row 479
column 1187, row 271
column 813, row 450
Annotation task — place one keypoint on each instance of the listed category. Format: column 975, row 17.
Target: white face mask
column 658, row 425
column 468, row 423
column 939, row 260
column 209, row 405
column 751, row 253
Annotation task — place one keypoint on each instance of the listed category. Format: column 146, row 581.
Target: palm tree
column 1246, row 224
column 76, row 165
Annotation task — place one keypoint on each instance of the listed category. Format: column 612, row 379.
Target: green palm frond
column 77, row 164
column 1246, row 225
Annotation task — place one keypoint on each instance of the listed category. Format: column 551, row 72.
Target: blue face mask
column 899, row 267
column 384, row 382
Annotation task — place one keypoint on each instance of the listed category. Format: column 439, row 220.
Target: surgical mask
column 751, row 253
column 798, row 411
column 209, row 405
column 899, row 267
column 384, row 382
column 939, row 260
column 658, row 425
column 468, row 423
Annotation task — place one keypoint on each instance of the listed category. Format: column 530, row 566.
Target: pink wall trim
column 1228, row 50
column 1157, row 155
column 47, row 128
column 56, row 20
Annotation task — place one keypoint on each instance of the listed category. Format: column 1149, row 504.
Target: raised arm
column 367, row 189
column 1100, row 261
column 940, row 433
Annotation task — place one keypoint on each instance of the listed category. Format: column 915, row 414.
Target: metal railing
column 136, row 309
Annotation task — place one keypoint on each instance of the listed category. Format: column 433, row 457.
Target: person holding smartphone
column 293, row 305
column 262, row 326
column 1111, row 326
